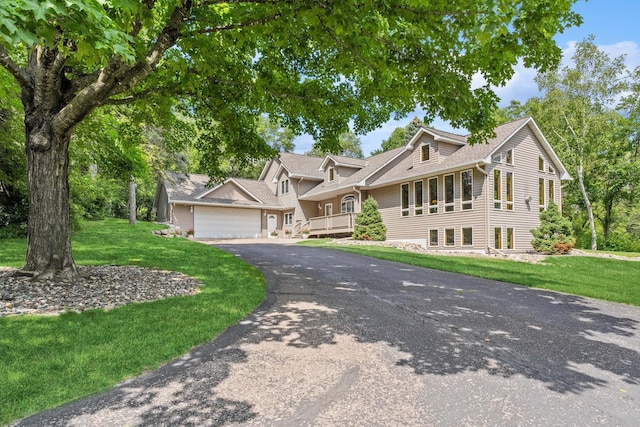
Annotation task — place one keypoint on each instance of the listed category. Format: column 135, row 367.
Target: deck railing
column 339, row 223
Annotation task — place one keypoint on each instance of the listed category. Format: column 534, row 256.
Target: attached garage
column 226, row 223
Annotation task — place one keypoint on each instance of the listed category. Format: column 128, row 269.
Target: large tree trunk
column 133, row 206
column 49, row 227
column 587, row 202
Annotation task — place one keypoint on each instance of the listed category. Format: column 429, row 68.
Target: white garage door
column 226, row 223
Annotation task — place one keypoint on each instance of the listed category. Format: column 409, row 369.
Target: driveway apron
column 346, row 340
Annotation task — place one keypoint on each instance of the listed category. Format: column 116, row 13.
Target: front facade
column 438, row 191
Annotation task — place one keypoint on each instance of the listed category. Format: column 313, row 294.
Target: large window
column 541, row 197
column 509, row 191
column 433, row 237
column 497, row 239
column 425, row 152
column 510, row 238
column 433, row 195
column 497, row 189
column 467, row 236
column 285, row 186
column 404, row 198
column 448, row 193
column 417, row 197
column 466, row 187
column 552, row 191
column 348, row 204
column 449, row 237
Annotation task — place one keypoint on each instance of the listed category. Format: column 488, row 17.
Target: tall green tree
column 317, row 66
column 350, row 146
column 400, row 136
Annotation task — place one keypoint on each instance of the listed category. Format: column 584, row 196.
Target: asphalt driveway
column 345, row 340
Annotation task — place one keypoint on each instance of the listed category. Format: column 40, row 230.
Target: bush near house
column 554, row 236
column 369, row 224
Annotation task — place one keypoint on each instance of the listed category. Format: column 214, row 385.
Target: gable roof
column 185, row 187
column 343, row 161
column 301, row 166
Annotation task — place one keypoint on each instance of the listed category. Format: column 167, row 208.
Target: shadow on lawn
column 437, row 323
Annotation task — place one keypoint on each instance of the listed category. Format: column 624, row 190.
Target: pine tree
column 369, row 224
column 555, row 235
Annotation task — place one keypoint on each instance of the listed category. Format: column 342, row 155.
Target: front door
column 328, row 209
column 272, row 223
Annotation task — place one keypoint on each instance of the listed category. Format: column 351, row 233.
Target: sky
column 615, row 25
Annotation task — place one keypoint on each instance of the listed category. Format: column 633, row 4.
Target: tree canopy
column 315, row 66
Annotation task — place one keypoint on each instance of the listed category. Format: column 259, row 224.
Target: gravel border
column 104, row 287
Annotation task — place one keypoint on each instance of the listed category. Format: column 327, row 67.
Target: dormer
column 431, row 146
column 337, row 167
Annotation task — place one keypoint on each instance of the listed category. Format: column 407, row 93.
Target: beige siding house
column 438, row 191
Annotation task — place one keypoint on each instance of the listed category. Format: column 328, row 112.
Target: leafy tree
column 554, row 236
column 400, row 136
column 578, row 115
column 350, row 146
column 316, row 66
column 369, row 225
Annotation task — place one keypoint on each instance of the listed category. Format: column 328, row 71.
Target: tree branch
column 239, row 25
column 18, row 73
column 127, row 99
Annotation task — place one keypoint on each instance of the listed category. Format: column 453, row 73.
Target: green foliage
column 554, row 236
column 369, row 225
column 400, row 136
column 96, row 349
column 606, row 279
column 350, row 146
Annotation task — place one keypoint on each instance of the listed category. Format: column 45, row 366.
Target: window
column 497, row 240
column 510, row 238
column 448, row 193
column 425, row 152
column 433, row 195
column 497, row 189
column 497, row 158
column 449, row 237
column 509, row 156
column 509, row 191
column 466, row 184
column 417, row 194
column 551, row 169
column 348, row 204
column 285, row 186
column 540, row 164
column 467, row 236
column 288, row 218
column 552, row 191
column 404, row 197
column 433, row 237
column 541, row 197
column 331, row 173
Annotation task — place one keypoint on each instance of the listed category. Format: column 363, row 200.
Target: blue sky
column 615, row 25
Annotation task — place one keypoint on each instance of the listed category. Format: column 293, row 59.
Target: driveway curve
column 346, row 340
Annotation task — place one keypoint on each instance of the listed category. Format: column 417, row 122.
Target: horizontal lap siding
column 524, row 217
column 229, row 192
column 415, row 227
column 182, row 217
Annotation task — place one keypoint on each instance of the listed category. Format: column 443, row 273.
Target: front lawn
column 602, row 278
column 49, row 360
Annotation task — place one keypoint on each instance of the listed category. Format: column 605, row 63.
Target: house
column 437, row 191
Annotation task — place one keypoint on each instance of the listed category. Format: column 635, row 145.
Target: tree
column 350, row 146
column 400, row 136
column 578, row 114
column 369, row 225
column 554, row 235
column 316, row 66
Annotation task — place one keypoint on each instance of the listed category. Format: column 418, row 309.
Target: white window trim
column 512, row 157
column 344, row 200
column 501, row 238
column 551, row 191
column 497, row 158
column 454, row 237
column 509, row 203
column 402, row 208
column 513, row 235
column 435, row 205
column 415, row 206
column 284, row 185
column 462, row 236
column 462, row 201
column 331, row 174
column 543, row 167
column 422, row 148
column 288, row 218
column 444, row 187
column 497, row 201
column 542, row 197
column 438, row 240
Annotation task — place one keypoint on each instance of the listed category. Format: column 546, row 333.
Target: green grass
column 601, row 278
column 49, row 360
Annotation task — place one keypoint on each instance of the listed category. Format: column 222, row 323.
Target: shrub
column 369, row 225
column 554, row 236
